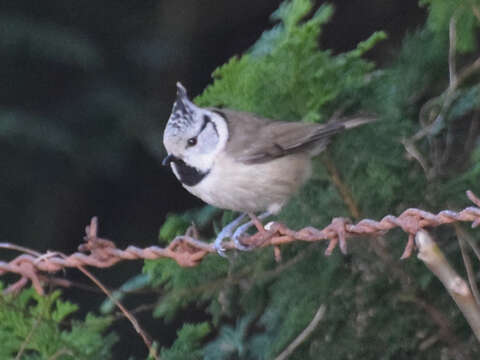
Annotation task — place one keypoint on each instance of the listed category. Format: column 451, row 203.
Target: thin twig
column 467, row 72
column 128, row 315
column 452, row 50
column 461, row 235
column 138, row 309
column 469, row 144
column 428, row 342
column 413, row 152
column 446, row 98
column 473, row 245
column 304, row 334
column 27, row 339
column 344, row 191
column 446, row 332
column 62, row 351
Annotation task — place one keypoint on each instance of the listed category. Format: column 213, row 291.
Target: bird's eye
column 192, row 141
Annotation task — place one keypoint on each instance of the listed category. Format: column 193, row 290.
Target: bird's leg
column 243, row 228
column 226, row 232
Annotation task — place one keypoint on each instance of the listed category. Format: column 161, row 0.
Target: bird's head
column 193, row 136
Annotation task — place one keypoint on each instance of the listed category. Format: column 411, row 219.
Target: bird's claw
column 239, row 245
column 238, row 234
column 219, row 248
column 236, row 240
column 226, row 232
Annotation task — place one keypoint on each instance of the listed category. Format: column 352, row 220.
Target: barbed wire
column 187, row 250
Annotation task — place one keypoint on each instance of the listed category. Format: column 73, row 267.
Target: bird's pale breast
column 253, row 187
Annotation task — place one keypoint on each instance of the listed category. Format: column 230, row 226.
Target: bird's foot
column 226, row 232
column 338, row 226
column 242, row 229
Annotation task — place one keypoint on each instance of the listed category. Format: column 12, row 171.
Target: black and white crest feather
column 182, row 111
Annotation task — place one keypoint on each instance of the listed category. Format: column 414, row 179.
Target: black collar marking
column 189, row 175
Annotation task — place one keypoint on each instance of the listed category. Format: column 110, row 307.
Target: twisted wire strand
column 188, row 251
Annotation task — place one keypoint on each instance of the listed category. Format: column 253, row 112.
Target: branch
column 446, row 333
column 461, row 235
column 188, row 251
column 445, row 99
column 341, row 187
column 452, row 33
column 458, row 289
column 304, row 334
column 23, row 347
column 143, row 334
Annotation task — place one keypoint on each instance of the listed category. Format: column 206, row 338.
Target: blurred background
column 86, row 88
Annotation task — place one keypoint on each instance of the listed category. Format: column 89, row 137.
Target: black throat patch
column 189, row 176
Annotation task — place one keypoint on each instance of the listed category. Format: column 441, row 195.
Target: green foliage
column 37, row 326
column 466, row 14
column 174, row 225
column 183, row 285
column 378, row 172
column 177, row 224
column 285, row 75
column 188, row 344
column 467, row 100
column 230, row 341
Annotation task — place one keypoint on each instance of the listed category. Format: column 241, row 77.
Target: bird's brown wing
column 253, row 139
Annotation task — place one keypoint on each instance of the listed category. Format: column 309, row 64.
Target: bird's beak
column 168, row 159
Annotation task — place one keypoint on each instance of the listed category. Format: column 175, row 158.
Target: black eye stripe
column 206, row 120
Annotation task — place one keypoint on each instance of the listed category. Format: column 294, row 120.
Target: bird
column 242, row 162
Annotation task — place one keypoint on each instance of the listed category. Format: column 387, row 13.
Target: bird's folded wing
column 255, row 140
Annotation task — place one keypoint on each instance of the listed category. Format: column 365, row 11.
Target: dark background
column 85, row 90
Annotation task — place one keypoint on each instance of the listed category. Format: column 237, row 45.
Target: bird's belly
column 254, row 187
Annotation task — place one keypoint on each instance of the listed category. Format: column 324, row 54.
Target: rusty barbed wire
column 188, row 251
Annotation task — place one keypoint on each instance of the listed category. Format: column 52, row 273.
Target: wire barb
column 188, row 251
